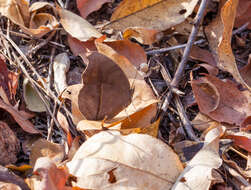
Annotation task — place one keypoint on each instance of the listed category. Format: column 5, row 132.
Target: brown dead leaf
column 19, row 118
column 76, row 26
column 202, row 55
column 9, row 177
column 9, row 145
column 199, row 171
column 219, row 35
column 31, row 22
column 102, row 163
column 243, row 14
column 222, row 101
column 202, row 122
column 246, row 72
column 132, row 51
column 151, row 15
column 142, row 93
column 48, row 176
column 8, row 81
column 86, row 7
column 43, row 148
column 102, row 81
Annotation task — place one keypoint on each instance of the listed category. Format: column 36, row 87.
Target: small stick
column 180, row 70
column 182, row 113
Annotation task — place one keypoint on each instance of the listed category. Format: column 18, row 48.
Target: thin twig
column 163, row 50
column 180, row 70
column 182, row 113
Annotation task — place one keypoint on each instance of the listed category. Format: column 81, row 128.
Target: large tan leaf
column 219, row 35
column 199, row 172
column 222, row 101
column 86, row 7
column 142, row 93
column 111, row 161
column 76, row 26
column 160, row 16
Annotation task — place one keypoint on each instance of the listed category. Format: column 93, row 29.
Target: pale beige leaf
column 199, row 172
column 117, row 161
column 76, row 26
column 31, row 98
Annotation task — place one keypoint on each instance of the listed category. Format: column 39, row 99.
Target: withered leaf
column 222, row 101
column 106, row 90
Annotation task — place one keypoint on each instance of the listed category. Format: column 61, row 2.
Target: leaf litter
column 102, row 127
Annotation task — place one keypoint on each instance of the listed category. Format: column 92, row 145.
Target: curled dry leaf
column 61, row 66
column 48, row 176
column 86, row 7
column 44, row 148
column 32, row 99
column 31, row 22
column 221, row 101
column 9, row 177
column 76, row 26
column 9, row 145
column 109, row 160
column 158, row 16
column 219, row 35
column 199, row 171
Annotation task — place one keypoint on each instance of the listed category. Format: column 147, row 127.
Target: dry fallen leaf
column 241, row 139
column 102, row 80
column 159, row 16
column 9, row 145
column 9, row 186
column 202, row 55
column 19, row 117
column 76, row 26
column 61, row 65
column 143, row 35
column 48, row 176
column 9, row 177
column 8, row 81
column 43, row 148
column 142, row 93
column 219, row 35
column 198, row 173
column 108, row 160
column 86, row 7
column 246, row 72
column 222, row 101
column 31, row 22
column 243, row 14
column 32, row 99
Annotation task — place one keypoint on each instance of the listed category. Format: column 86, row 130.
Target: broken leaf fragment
column 109, row 160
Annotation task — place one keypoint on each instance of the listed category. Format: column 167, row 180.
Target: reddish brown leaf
column 202, row 55
column 19, row 118
column 86, row 7
column 246, row 72
column 8, row 81
column 243, row 13
column 222, row 101
column 9, row 145
column 241, row 141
